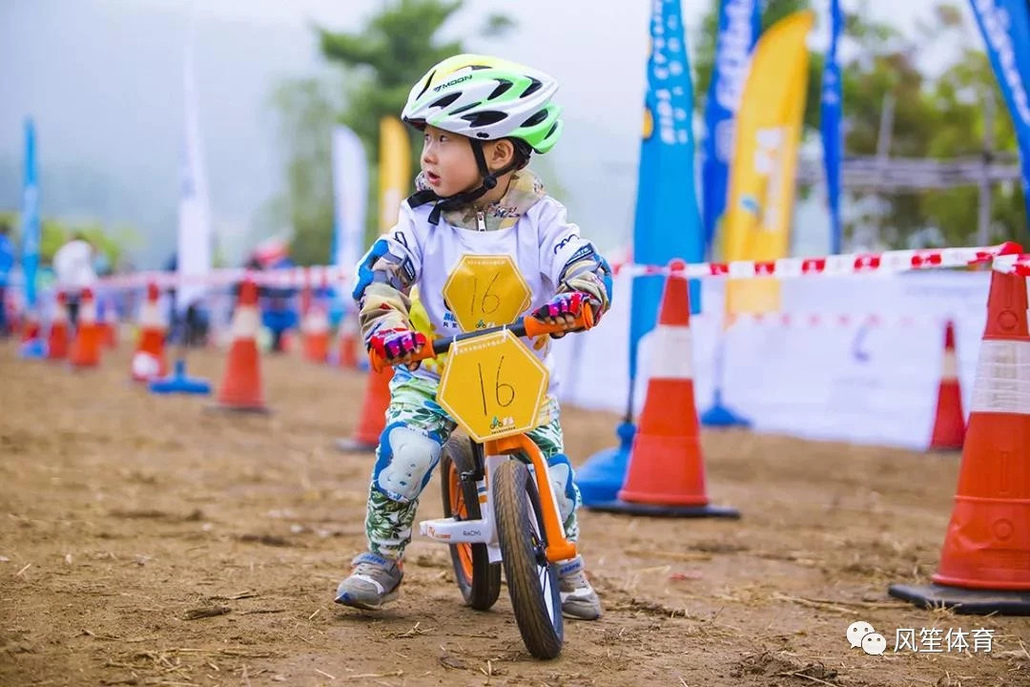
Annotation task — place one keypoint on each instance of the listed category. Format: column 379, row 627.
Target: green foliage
column 939, row 117
column 112, row 243
column 384, row 60
column 380, row 64
column 936, row 116
column 307, row 113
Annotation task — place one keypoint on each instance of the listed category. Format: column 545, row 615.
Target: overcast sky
column 102, row 78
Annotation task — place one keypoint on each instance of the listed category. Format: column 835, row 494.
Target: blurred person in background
column 192, row 328
column 73, row 267
column 6, row 263
column 278, row 307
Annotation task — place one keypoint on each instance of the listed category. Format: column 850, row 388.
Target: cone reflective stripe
column 108, row 323
column 985, row 560
column 949, row 427
column 316, row 334
column 85, row 351
column 241, row 384
column 988, row 540
column 348, row 341
column 665, row 475
column 57, row 342
column 149, row 361
column 30, row 327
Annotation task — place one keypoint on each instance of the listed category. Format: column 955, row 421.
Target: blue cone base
column 600, row 478
column 33, row 349
column 721, row 416
column 179, row 383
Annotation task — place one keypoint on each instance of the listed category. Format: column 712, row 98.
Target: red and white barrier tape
column 887, row 262
column 294, row 277
column 809, row 320
column 1013, row 264
column 1005, row 257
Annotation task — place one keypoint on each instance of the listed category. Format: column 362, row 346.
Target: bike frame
column 491, row 454
column 484, row 530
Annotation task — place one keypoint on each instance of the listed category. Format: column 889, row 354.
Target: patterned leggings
column 389, row 519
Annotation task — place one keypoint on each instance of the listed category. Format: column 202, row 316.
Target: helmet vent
column 446, row 100
column 425, row 87
column 502, row 88
column 484, row 118
column 540, row 116
column 532, row 88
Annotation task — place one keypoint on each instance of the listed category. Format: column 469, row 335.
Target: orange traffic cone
column 57, row 342
column 108, row 325
column 315, row 330
column 949, row 427
column 30, row 328
column 241, row 384
column 85, row 350
column 348, row 342
column 985, row 562
column 373, row 414
column 665, row 475
column 149, row 361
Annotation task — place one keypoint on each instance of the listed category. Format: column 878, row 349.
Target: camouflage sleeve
column 385, row 277
column 572, row 262
column 588, row 272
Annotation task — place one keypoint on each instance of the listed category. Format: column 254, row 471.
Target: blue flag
column 30, row 217
column 667, row 223
column 830, row 116
column 1005, row 25
column 740, row 23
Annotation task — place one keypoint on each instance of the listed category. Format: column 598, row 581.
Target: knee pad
column 405, row 462
column 559, row 472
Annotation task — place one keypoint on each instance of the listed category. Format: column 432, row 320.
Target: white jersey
column 539, row 245
column 73, row 267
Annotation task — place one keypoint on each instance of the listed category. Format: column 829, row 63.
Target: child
column 482, row 117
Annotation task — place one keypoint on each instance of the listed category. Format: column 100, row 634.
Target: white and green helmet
column 487, row 98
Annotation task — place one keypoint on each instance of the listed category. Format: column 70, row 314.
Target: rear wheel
column 478, row 579
column 532, row 580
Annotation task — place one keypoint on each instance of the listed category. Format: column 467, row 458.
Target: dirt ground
column 126, row 515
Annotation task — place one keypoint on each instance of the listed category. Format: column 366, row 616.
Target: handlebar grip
column 583, row 321
column 379, row 363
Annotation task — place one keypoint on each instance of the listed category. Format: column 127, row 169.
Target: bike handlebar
column 524, row 326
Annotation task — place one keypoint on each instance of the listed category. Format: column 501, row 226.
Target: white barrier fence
column 846, row 378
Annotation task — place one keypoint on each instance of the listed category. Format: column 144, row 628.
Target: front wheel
column 478, row 579
column 532, row 580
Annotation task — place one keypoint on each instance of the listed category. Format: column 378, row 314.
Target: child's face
column 448, row 162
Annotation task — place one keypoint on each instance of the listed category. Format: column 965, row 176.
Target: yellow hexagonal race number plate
column 486, row 291
column 493, row 386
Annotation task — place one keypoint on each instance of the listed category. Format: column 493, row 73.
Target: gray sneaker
column 373, row 582
column 578, row 598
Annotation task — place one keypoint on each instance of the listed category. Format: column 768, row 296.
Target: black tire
column 532, row 581
column 478, row 579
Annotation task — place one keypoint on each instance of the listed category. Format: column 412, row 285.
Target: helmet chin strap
column 460, row 200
